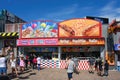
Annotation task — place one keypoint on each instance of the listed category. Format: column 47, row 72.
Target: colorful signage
column 81, row 42
column 80, row 28
column 59, row 42
column 35, row 42
column 39, row 29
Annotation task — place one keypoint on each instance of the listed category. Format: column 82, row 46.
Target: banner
column 39, row 29
column 79, row 28
column 81, row 42
column 60, row 42
column 36, row 42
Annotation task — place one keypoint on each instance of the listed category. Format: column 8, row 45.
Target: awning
column 10, row 34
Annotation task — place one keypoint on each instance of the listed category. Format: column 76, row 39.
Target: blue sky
column 30, row 10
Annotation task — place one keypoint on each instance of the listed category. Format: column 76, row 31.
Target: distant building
column 6, row 17
column 9, row 28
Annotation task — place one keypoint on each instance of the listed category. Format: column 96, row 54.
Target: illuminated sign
column 79, row 28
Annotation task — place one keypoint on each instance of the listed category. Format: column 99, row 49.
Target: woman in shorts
column 22, row 64
column 3, row 65
column 13, row 64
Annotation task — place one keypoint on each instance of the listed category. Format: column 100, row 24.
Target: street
column 60, row 74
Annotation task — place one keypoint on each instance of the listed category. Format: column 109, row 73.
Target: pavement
column 60, row 74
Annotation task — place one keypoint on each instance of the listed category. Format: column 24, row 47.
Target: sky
column 58, row 10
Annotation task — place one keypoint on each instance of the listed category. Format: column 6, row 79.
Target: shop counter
column 82, row 64
column 50, row 63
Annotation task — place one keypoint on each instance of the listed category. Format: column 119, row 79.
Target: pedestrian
column 13, row 65
column 75, row 59
column 22, row 63
column 38, row 62
column 106, row 68
column 18, row 61
column 96, row 65
column 100, row 64
column 3, row 65
column 91, row 65
column 31, row 60
column 34, row 62
column 70, row 68
column 26, row 62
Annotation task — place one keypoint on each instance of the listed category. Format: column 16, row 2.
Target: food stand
column 69, row 37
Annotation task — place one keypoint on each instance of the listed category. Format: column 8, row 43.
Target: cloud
column 110, row 11
column 63, row 12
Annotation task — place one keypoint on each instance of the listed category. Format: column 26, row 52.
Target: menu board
column 39, row 29
column 79, row 28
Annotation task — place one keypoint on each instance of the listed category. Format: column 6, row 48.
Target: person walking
column 13, row 65
column 26, row 61
column 70, row 68
column 22, row 63
column 106, row 68
column 100, row 64
column 96, row 65
column 91, row 65
column 75, row 59
column 31, row 60
column 38, row 62
column 3, row 65
column 35, row 62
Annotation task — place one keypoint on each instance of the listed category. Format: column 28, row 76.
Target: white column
column 59, row 53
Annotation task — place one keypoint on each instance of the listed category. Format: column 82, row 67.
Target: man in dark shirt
column 106, row 68
column 91, row 65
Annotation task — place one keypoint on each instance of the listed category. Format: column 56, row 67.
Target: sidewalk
column 60, row 74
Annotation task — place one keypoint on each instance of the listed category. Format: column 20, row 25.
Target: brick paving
column 60, row 74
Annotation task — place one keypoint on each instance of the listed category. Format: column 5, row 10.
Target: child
column 22, row 64
column 13, row 65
